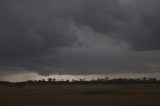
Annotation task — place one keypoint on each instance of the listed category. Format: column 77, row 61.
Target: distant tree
column 144, row 79
column 93, row 80
column 106, row 78
column 43, row 80
column 100, row 79
column 67, row 81
column 53, row 79
column 152, row 79
column 73, row 80
column 82, row 79
column 49, row 79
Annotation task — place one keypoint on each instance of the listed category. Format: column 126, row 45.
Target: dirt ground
column 81, row 95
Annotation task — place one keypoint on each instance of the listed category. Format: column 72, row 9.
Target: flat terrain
column 81, row 95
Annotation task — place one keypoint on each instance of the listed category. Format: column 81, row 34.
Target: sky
column 79, row 37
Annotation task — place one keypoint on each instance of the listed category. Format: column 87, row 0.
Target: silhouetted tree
column 49, row 79
column 67, row 81
column 144, row 79
column 106, row 79
column 152, row 79
column 43, row 80
column 53, row 79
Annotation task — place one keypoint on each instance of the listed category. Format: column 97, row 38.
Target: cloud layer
column 79, row 36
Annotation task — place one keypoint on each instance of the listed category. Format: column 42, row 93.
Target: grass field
column 81, row 95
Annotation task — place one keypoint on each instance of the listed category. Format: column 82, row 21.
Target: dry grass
column 81, row 95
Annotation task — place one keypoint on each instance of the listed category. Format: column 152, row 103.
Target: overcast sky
column 79, row 36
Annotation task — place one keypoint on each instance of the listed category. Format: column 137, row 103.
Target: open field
column 81, row 95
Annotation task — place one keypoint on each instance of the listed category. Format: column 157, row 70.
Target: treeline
column 52, row 81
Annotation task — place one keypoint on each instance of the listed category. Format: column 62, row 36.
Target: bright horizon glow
column 34, row 76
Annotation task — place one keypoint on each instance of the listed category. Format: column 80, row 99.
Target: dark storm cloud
column 42, row 35
column 136, row 22
column 27, row 29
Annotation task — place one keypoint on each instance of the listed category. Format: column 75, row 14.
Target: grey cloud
column 28, row 30
column 44, row 36
column 136, row 22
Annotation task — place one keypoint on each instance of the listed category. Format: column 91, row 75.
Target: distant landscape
column 79, row 52
column 100, row 92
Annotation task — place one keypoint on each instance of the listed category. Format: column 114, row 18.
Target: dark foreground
column 81, row 95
